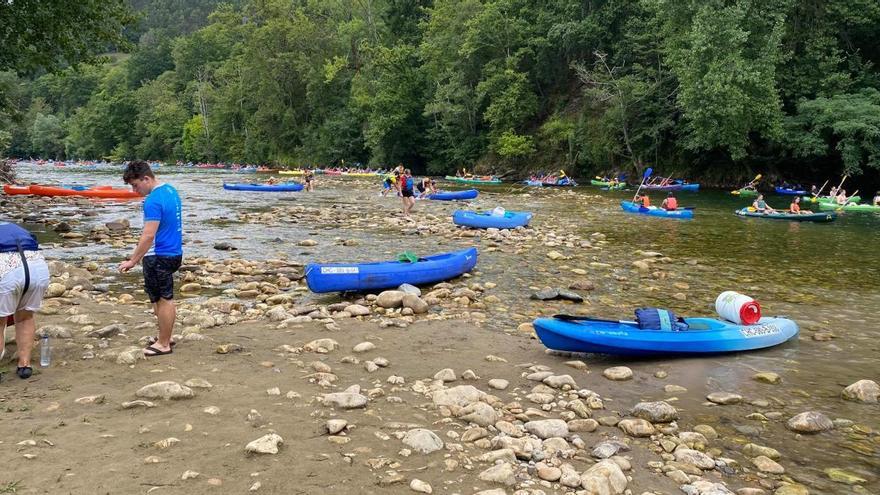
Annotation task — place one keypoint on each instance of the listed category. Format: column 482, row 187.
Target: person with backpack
column 160, row 247
column 24, row 278
column 406, row 184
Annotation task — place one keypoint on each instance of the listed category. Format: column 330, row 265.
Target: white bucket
column 738, row 308
column 498, row 212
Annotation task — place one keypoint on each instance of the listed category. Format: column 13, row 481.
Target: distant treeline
column 711, row 89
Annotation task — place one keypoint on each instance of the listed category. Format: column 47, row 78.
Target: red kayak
column 105, row 192
column 12, row 189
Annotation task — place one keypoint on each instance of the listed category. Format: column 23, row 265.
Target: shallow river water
column 824, row 276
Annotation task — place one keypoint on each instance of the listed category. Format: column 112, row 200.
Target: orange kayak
column 105, row 192
column 12, row 189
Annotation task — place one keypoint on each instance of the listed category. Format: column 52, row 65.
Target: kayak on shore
column 703, row 336
column 101, row 192
column 333, row 277
column 453, row 195
column 653, row 211
column 782, row 215
column 486, row 220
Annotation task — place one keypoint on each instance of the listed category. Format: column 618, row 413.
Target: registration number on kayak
column 759, row 331
column 339, row 270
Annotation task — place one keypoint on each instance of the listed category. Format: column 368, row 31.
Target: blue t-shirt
column 163, row 205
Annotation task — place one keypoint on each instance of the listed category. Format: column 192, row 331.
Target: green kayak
column 850, row 207
column 826, row 199
column 465, row 180
column 608, row 184
column 745, row 193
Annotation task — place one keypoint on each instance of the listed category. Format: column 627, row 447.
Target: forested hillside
column 714, row 89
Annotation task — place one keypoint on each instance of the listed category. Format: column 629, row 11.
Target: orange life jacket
column 671, row 203
column 646, row 202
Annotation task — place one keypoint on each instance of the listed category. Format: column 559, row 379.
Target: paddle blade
column 648, row 172
column 757, row 177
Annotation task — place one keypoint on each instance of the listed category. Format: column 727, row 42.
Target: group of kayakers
column 407, row 187
column 308, row 180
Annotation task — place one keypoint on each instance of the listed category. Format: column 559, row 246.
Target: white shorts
column 12, row 284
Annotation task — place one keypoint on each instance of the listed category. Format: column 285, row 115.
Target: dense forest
column 713, row 89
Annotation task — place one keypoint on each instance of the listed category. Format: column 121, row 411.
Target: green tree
column 50, row 34
column 47, row 136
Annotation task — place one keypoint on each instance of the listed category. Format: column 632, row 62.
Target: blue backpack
column 659, row 319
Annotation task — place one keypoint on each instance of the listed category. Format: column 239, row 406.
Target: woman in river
column 795, row 206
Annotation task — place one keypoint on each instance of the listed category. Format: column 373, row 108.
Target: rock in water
column 866, row 391
column 546, row 294
column 267, row 444
column 166, row 390
column 810, row 422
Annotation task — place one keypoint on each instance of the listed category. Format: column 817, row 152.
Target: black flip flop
column 156, row 352
column 153, row 340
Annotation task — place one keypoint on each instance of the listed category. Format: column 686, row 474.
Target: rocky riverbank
column 440, row 389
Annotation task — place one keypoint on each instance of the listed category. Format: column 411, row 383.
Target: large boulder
column 422, row 441
column 604, row 478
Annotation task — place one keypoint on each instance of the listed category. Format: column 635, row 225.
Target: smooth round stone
column 724, row 398
column 810, row 422
column 618, row 373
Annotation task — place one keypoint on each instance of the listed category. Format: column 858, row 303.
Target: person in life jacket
column 670, row 203
column 24, row 278
column 643, row 200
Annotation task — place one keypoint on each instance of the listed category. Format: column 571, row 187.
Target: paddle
column 847, row 201
column 644, row 178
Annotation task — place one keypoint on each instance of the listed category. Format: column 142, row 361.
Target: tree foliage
column 713, row 87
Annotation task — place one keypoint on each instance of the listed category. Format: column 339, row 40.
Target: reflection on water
column 825, row 276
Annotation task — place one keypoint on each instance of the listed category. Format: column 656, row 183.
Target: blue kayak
column 704, row 336
column 690, row 187
column 485, row 220
column 290, row 186
column 454, row 195
column 787, row 191
column 653, row 211
column 388, row 274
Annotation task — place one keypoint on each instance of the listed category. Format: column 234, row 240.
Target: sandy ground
column 101, row 447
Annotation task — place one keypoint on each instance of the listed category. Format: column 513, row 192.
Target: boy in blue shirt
column 160, row 247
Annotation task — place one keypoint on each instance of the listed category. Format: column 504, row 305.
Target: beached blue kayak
column 454, row 195
column 290, row 186
column 784, row 215
column 704, row 336
column 653, row 211
column 388, row 274
column 790, row 192
column 485, row 220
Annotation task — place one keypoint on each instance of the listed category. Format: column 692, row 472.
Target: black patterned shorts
column 159, row 276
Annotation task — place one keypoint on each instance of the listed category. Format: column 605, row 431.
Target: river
column 824, row 276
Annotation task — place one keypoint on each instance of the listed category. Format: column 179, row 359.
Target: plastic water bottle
column 45, row 352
